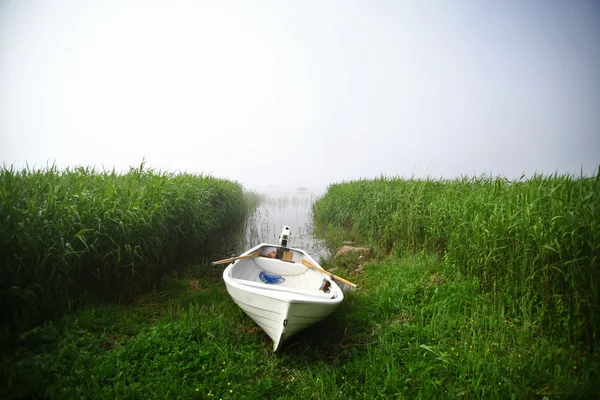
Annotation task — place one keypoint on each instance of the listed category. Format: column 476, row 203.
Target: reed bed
column 533, row 244
column 66, row 235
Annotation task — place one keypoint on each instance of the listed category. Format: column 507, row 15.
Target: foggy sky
column 302, row 93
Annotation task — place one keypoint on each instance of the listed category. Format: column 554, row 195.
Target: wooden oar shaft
column 308, row 264
column 228, row 260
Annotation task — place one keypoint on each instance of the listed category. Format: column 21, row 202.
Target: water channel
column 264, row 225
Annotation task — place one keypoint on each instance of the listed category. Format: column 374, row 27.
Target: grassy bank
column 415, row 329
column 68, row 236
column 421, row 325
column 533, row 245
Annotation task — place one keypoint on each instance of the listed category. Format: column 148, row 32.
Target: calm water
column 277, row 211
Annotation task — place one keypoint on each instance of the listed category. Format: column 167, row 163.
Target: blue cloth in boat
column 268, row 277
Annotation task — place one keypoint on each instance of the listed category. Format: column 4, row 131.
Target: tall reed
column 534, row 244
column 64, row 234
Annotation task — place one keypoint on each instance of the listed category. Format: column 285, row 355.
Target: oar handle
column 308, row 264
column 228, row 260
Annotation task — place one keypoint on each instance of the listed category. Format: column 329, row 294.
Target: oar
column 308, row 264
column 228, row 260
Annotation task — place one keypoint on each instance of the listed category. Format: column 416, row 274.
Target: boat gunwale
column 263, row 286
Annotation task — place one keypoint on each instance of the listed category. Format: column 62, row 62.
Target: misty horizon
column 303, row 95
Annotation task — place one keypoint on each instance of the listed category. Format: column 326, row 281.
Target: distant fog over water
column 280, row 95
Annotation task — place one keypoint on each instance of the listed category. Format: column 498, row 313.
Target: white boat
column 284, row 290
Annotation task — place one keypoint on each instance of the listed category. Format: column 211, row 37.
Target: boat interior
column 266, row 271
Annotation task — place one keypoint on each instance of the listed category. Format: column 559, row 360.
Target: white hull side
column 302, row 315
column 280, row 319
column 268, row 313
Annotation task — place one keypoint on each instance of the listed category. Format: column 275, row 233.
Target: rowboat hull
column 283, row 308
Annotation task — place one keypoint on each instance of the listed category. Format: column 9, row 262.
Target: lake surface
column 264, row 225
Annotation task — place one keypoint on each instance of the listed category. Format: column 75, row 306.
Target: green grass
column 482, row 288
column 532, row 245
column 415, row 329
column 70, row 237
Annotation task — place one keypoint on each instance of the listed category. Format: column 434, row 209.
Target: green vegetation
column 531, row 248
column 253, row 199
column 72, row 236
column 534, row 245
column 481, row 288
column 415, row 329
